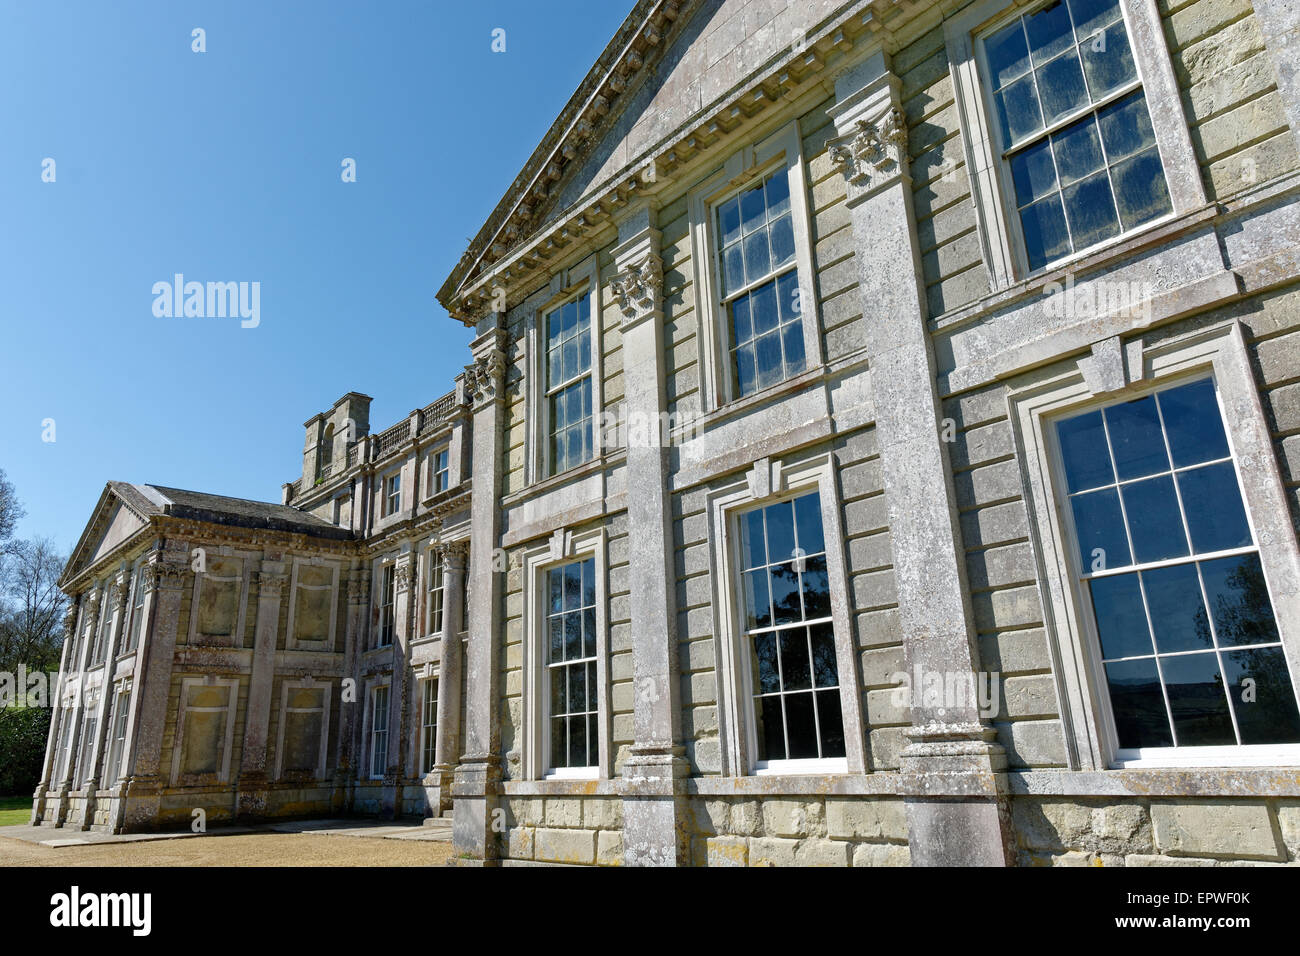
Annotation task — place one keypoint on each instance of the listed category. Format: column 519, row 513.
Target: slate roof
column 220, row 509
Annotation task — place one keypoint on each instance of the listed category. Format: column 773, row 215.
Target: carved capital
column 164, row 577
column 454, row 555
column 402, row 576
column 872, row 153
column 484, row 377
column 359, row 588
column 271, row 583
column 639, row 287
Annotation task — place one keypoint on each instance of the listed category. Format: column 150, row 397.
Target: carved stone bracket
column 872, row 153
column 402, row 576
column 359, row 588
column 164, row 577
column 639, row 287
column 483, row 378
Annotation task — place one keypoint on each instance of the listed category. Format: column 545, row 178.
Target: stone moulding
column 873, row 152
column 638, row 286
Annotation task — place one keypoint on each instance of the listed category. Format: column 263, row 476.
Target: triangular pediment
column 121, row 512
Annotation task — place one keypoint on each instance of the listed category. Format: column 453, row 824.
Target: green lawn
column 15, row 810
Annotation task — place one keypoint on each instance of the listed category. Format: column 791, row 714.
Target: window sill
column 794, row 768
column 1210, row 758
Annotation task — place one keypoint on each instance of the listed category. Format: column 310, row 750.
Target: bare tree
column 31, row 606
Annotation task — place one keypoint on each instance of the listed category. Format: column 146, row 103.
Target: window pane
column 577, row 689
column 808, row 520
column 1049, row 31
column 831, row 722
column 1084, row 452
column 589, row 632
column 1243, row 613
column 1100, row 527
column 742, row 329
column 800, row 726
column 778, row 194
column 785, row 594
column 782, row 241
column 1137, row 704
column 762, row 306
column 768, row 359
column 757, row 261
column 752, row 209
column 729, row 221
column 1126, row 127
column 1033, row 172
column 1212, row 501
column 1154, row 523
column 1060, row 86
column 1197, row 700
column 1044, row 230
column 559, row 742
column 780, row 530
column 816, row 589
column 792, row 342
column 770, row 728
column 788, row 296
column 1091, row 15
column 1178, row 615
column 1140, row 188
column 1266, row 710
column 751, row 537
column 1107, row 60
column 825, row 665
column 758, row 612
column 1018, row 110
column 1091, row 211
column 733, row 268
column 1136, row 440
column 1121, row 621
column 767, row 678
column 746, row 370
column 1077, row 150
column 1008, row 54
column 796, row 672
column 1193, row 423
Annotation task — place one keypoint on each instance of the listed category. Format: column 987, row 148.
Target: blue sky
column 225, row 166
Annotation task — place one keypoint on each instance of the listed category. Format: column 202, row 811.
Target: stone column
column 438, row 782
column 148, row 581
column 653, row 834
column 399, row 689
column 1279, row 22
column 478, row 774
column 94, row 608
column 351, row 702
column 251, row 788
column 58, row 717
column 169, row 571
column 951, row 750
column 119, row 598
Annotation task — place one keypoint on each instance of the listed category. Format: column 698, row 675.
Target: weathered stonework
column 931, row 359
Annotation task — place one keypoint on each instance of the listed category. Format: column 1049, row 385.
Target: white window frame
column 741, row 170
column 371, row 692
column 992, row 192
column 327, row 689
column 99, row 646
column 434, row 570
column 243, row 578
column 426, row 726
column 439, row 477
column 766, row 483
column 327, row 643
column 86, row 739
column 390, row 489
column 566, row 285
column 1037, row 401
column 133, row 631
column 179, row 778
column 380, row 592
column 119, row 715
column 564, row 547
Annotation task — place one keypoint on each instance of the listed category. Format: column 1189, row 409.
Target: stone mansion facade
column 880, row 445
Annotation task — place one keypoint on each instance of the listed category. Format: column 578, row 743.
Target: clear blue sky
column 225, row 166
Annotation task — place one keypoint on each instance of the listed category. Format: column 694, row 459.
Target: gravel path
column 255, row 849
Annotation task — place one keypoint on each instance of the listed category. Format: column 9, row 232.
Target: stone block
column 822, row 853
column 881, row 854
column 520, row 843
column 792, row 817
column 609, row 848
column 865, row 818
column 772, row 851
column 727, row 851
column 563, row 812
column 1216, row 828
column 565, row 846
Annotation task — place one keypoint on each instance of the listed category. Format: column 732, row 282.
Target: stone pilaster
column 438, row 782
column 1279, row 22
column 478, row 774
column 400, row 693
column 351, row 703
column 252, row 783
column 168, row 571
column 653, row 771
column 119, row 599
column 58, row 716
column 950, row 749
